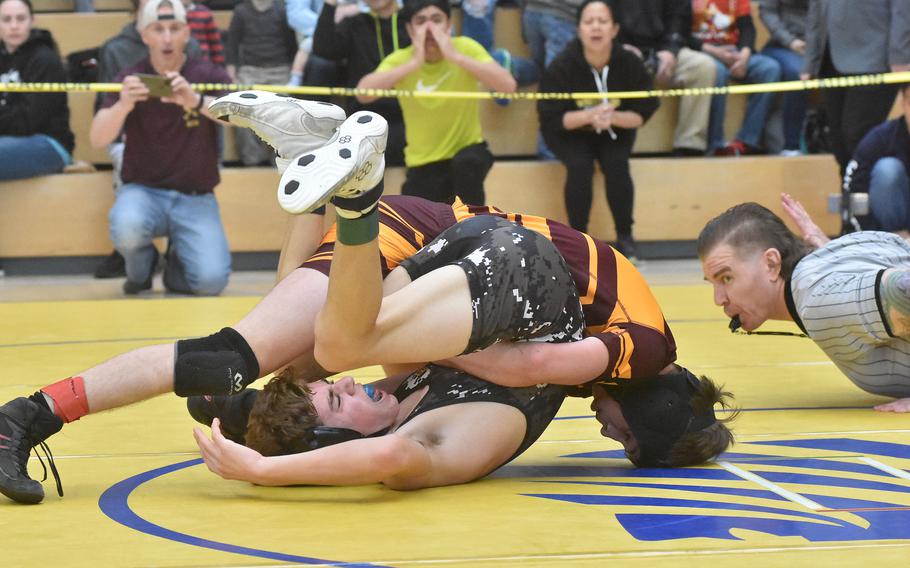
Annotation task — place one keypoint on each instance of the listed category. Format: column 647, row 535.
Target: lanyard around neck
column 379, row 34
column 600, row 80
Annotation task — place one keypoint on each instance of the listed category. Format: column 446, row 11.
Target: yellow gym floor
column 817, row 476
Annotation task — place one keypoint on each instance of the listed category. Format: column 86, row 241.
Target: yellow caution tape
column 784, row 86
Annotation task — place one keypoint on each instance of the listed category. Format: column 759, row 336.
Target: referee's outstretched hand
column 808, row 230
column 899, row 405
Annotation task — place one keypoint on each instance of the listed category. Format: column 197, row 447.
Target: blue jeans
column 889, row 194
column 477, row 24
column 791, row 63
column 546, row 36
column 31, row 156
column 760, row 69
column 199, row 262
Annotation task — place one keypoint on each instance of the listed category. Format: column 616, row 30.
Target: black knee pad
column 222, row 363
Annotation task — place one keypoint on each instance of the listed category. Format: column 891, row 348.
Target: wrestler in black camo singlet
column 521, row 287
column 450, row 386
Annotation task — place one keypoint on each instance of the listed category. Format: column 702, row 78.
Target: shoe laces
column 50, row 462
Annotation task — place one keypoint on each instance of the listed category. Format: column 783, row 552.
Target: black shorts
column 520, row 285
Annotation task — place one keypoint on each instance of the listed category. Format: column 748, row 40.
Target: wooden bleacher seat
column 66, row 215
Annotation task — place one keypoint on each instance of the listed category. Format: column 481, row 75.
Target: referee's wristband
column 198, row 106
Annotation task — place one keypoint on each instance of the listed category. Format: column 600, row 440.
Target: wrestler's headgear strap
column 659, row 412
column 324, row 436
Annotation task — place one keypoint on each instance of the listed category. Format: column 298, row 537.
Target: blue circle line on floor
column 114, row 503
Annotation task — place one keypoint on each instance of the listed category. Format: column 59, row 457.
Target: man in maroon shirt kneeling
column 170, row 162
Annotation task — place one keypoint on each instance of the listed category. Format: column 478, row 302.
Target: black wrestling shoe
column 23, row 425
column 233, row 411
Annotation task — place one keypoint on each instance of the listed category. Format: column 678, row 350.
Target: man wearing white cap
column 170, row 162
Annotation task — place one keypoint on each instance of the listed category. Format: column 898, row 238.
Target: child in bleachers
column 203, row 28
column 260, row 48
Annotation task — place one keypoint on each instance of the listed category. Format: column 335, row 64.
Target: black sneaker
column 625, row 244
column 113, row 266
column 132, row 288
column 23, row 425
column 233, row 411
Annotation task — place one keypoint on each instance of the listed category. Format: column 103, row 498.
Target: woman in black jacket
column 582, row 131
column 35, row 137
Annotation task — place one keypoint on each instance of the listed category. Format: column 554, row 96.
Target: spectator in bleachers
column 847, row 37
column 84, row 5
column 548, row 26
column 116, row 54
column 302, row 16
column 446, row 154
column 724, row 30
column 170, row 161
column 881, row 168
column 658, row 31
column 35, row 137
column 363, row 41
column 260, row 49
column 205, row 30
column 786, row 22
column 478, row 19
column 581, row 132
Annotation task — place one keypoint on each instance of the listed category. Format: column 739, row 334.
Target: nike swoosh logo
column 430, row 88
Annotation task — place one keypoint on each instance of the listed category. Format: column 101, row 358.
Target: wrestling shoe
column 24, row 424
column 290, row 126
column 233, row 411
column 344, row 171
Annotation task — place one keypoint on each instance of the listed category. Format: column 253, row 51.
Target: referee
column 850, row 295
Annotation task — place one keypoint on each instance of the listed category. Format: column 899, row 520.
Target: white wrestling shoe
column 290, row 126
column 345, row 169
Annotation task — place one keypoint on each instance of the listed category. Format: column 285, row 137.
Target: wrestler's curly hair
column 282, row 414
column 704, row 445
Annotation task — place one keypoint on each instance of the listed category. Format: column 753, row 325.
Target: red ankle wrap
column 70, row 403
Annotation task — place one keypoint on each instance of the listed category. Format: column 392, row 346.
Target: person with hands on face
column 445, row 153
column 170, row 162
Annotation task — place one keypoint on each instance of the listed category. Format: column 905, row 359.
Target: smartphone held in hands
column 158, row 86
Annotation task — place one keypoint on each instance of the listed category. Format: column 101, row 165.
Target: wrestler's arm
column 393, row 460
column 523, row 364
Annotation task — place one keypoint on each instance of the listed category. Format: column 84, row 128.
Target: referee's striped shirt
column 834, row 297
